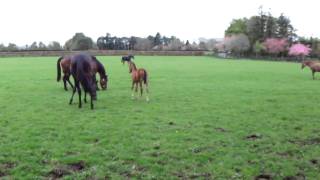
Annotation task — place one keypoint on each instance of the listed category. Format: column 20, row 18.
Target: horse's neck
column 100, row 74
column 100, row 70
column 133, row 67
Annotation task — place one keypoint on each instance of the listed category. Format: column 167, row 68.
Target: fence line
column 103, row 53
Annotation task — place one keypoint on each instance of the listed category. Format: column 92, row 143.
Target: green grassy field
column 207, row 119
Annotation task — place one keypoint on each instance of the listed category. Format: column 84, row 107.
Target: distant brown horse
column 64, row 63
column 138, row 76
column 313, row 65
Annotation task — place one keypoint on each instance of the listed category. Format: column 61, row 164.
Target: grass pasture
column 207, row 119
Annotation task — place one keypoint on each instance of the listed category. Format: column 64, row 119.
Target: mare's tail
column 145, row 77
column 59, row 69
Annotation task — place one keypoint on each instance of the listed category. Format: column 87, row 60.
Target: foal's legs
column 132, row 92
column 68, row 79
column 141, row 89
column 85, row 97
column 313, row 74
column 74, row 91
column 136, row 89
column 65, row 82
column 147, row 92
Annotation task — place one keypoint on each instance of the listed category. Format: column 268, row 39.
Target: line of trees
column 35, row 46
column 82, row 42
column 260, row 35
column 265, row 35
column 156, row 42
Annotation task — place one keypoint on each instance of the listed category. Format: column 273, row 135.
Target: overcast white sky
column 25, row 21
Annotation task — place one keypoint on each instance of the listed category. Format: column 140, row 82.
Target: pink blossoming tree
column 299, row 50
column 275, row 45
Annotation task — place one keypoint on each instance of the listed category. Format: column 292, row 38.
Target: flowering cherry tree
column 299, row 50
column 275, row 45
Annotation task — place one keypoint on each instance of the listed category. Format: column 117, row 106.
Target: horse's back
column 82, row 71
column 65, row 64
column 142, row 74
column 82, row 61
column 315, row 66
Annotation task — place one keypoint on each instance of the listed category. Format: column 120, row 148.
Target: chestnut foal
column 138, row 76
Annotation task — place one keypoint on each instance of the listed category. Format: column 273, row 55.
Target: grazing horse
column 99, row 68
column 82, row 73
column 64, row 63
column 126, row 58
column 313, row 65
column 138, row 76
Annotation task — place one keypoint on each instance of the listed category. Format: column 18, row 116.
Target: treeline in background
column 259, row 36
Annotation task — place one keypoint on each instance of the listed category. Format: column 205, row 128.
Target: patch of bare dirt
column 314, row 161
column 58, row 172
column 289, row 153
column 299, row 176
column 182, row 175
column 62, row 171
column 155, row 154
column 44, row 161
column 263, row 177
column 7, row 165
column 2, row 174
column 201, row 175
column 220, row 129
column 138, row 168
column 201, row 149
column 79, row 166
column 5, row 168
column 304, row 142
column 161, row 162
column 254, row 136
column 126, row 174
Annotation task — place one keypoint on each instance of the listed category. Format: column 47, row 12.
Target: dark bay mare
column 82, row 73
column 313, row 65
column 126, row 58
column 64, row 63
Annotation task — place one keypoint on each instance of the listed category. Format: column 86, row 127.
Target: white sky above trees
column 25, row 21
